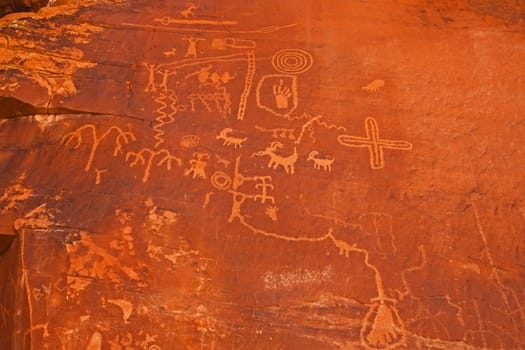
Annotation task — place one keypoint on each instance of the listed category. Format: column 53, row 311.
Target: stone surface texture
column 263, row 175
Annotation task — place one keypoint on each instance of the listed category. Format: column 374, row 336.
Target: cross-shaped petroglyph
column 374, row 144
column 382, row 327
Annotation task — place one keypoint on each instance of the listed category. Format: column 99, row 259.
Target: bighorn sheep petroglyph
column 230, row 140
column 321, row 163
column 277, row 160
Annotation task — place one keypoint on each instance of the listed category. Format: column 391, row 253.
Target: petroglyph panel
column 239, row 175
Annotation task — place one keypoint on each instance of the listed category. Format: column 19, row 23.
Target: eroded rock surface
column 263, row 175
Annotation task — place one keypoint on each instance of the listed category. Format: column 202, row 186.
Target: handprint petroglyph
column 282, row 94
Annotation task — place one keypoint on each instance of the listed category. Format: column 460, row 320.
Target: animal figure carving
column 206, row 78
column 230, row 140
column 374, row 86
column 188, row 12
column 321, row 163
column 276, row 160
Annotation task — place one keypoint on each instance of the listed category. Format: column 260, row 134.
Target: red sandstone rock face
column 263, row 175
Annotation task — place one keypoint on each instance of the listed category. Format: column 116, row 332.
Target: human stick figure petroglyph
column 262, row 186
column 221, row 44
column 374, row 144
column 382, row 327
column 165, row 75
column 122, row 137
column 198, row 165
column 150, row 87
column 276, row 160
column 376, row 335
column 192, row 46
column 146, row 157
column 230, row 140
column 321, row 163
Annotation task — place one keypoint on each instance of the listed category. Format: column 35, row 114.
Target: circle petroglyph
column 220, row 180
column 292, row 61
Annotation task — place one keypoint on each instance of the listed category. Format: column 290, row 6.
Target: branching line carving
column 146, row 157
column 123, row 137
